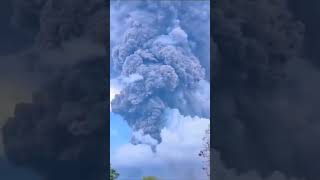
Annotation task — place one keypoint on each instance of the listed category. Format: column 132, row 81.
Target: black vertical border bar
column 107, row 75
column 211, row 88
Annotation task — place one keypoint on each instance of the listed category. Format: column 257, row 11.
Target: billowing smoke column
column 155, row 57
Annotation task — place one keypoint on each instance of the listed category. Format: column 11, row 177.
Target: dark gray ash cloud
column 63, row 127
column 265, row 91
column 156, row 46
column 59, row 130
column 57, row 21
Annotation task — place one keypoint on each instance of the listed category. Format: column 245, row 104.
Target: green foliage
column 150, row 178
column 113, row 174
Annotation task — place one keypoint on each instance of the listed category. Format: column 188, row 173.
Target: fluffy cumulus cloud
column 175, row 157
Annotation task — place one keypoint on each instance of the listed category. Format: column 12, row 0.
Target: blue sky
column 120, row 132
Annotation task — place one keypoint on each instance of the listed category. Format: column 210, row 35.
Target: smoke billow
column 63, row 127
column 59, row 130
column 265, row 92
column 222, row 173
column 54, row 21
column 157, row 47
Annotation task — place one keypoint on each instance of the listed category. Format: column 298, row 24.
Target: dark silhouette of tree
column 205, row 152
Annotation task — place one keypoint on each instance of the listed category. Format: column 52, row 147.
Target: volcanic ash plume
column 266, row 91
column 156, row 48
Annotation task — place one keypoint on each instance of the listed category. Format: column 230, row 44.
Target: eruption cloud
column 266, row 91
column 57, row 127
column 156, row 59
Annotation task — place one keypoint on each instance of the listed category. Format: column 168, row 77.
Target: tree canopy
column 113, row 174
column 150, row 178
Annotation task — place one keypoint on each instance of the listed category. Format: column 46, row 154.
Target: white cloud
column 115, row 88
column 130, row 155
column 182, row 134
column 177, row 153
